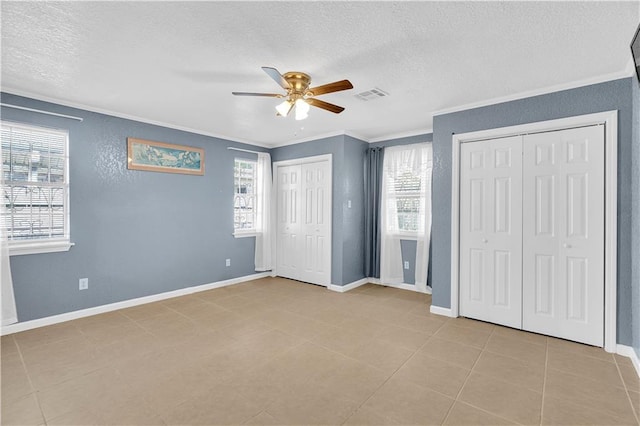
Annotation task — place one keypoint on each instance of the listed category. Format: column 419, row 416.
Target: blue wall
column 352, row 188
column 635, row 234
column 136, row 233
column 347, row 254
column 612, row 95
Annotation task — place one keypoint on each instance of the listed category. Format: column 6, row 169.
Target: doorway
column 303, row 219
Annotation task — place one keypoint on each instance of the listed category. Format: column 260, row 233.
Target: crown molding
column 355, row 135
column 310, row 138
column 89, row 108
column 401, row 135
column 627, row 72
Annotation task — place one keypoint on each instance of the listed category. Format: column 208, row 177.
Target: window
column 405, row 210
column 407, row 187
column 35, row 190
column 245, row 197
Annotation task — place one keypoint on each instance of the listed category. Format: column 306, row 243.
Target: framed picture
column 164, row 157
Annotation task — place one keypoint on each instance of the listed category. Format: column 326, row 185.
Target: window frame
column 245, row 232
column 45, row 244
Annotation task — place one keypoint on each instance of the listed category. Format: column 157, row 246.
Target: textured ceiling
column 178, row 62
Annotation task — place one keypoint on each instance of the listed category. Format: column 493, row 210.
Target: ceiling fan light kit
column 302, row 109
column 284, row 108
column 299, row 95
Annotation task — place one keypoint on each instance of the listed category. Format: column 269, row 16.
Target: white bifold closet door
column 304, row 222
column 563, row 217
column 532, row 232
column 491, row 230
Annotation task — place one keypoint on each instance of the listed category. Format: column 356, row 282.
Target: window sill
column 239, row 234
column 32, row 247
column 404, row 236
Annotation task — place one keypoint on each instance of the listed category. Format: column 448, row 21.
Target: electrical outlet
column 406, row 264
column 83, row 284
column 228, row 262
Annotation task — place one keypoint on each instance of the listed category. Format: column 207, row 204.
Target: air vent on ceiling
column 371, row 94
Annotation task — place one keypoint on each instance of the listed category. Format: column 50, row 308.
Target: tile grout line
column 387, row 380
column 544, row 379
column 484, row 348
column 626, row 389
column 35, row 392
column 94, row 345
column 467, row 378
column 589, row 378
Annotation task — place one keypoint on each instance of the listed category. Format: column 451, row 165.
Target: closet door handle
column 484, row 240
column 566, row 245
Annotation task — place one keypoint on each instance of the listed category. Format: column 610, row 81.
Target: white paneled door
column 288, row 223
column 532, row 232
column 491, row 230
column 315, row 223
column 304, row 222
column 563, row 258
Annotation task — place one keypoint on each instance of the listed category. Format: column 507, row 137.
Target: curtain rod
column 41, row 111
column 244, row 150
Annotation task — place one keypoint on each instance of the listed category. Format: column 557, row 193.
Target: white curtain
column 264, row 216
column 406, row 184
column 9, row 314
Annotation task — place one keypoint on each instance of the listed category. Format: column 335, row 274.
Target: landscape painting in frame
column 164, row 157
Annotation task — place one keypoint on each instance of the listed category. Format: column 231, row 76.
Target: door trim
column 610, row 121
column 298, row 161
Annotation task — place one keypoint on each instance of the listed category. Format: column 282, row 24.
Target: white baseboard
column 350, row 286
column 68, row 316
column 437, row 310
column 409, row 287
column 371, row 280
column 628, row 351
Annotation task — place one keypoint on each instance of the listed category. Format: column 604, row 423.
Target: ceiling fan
column 299, row 94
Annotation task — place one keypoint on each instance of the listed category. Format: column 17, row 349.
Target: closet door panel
column 288, row 221
column 490, row 230
column 316, row 227
column 563, row 230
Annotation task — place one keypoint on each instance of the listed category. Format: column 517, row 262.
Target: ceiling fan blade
column 325, row 105
column 336, row 86
column 269, row 95
column 277, row 77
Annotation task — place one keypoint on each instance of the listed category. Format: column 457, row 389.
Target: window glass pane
column 35, row 187
column 407, row 187
column 245, row 197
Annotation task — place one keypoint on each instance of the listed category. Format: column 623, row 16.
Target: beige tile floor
column 275, row 351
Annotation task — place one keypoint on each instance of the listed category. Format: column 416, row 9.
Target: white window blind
column 407, row 180
column 35, row 190
column 407, row 185
column 244, row 202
